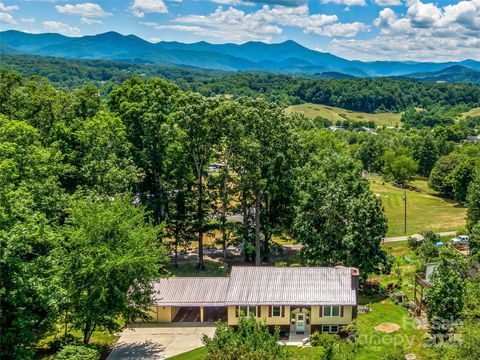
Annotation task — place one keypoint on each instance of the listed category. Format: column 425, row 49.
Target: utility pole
column 405, row 211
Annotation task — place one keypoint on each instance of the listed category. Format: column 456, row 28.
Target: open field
column 334, row 114
column 472, row 112
column 425, row 210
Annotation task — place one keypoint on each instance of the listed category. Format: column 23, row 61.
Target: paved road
column 297, row 247
column 159, row 341
column 403, row 238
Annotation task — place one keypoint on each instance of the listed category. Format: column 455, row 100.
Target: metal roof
column 261, row 285
column 291, row 286
column 191, row 291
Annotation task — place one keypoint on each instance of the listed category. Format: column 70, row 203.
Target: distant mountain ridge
column 454, row 74
column 285, row 57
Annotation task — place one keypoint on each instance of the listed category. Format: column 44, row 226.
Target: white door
column 300, row 323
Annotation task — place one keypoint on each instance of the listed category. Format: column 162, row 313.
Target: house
column 297, row 299
column 473, row 139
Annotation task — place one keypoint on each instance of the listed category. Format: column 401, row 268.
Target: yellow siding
column 164, row 314
column 315, row 319
column 284, row 320
column 153, row 313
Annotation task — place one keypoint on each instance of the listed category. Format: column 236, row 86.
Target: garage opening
column 193, row 314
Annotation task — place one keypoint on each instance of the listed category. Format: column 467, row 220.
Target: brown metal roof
column 191, row 291
column 261, row 285
column 290, row 286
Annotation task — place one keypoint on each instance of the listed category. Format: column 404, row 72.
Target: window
column 247, row 311
column 332, row 329
column 331, row 311
column 277, row 311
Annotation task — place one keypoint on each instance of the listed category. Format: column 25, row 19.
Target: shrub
column 325, row 340
column 72, row 352
column 427, row 251
column 58, row 343
column 251, row 340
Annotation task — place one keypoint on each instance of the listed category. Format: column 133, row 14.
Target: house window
column 247, row 311
column 332, row 329
column 331, row 311
column 277, row 311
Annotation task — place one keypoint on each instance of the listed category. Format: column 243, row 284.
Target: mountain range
column 285, row 57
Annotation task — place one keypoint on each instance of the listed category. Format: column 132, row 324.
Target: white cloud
column 344, row 30
column 234, row 2
column 89, row 21
column 346, row 2
column 86, row 10
column 154, row 40
column 6, row 8
column 425, row 32
column 235, row 25
column 59, row 27
column 6, row 18
column 27, row 20
column 140, row 7
column 388, row 2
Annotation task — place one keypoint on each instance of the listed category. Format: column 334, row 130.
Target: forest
column 359, row 94
column 98, row 192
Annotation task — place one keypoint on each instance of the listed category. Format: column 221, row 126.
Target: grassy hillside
column 335, row 113
column 472, row 112
column 425, row 209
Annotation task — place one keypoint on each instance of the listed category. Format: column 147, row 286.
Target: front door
column 300, row 322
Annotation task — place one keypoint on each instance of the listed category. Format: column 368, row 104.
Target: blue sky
column 355, row 29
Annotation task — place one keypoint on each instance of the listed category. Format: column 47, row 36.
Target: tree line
column 358, row 94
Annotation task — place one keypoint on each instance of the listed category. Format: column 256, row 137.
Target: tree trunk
column 176, row 250
column 87, row 332
column 201, row 265
column 224, row 222
column 245, row 223
column 258, row 203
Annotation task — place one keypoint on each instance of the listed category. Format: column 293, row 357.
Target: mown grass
column 196, row 354
column 373, row 344
column 334, row 114
column 425, row 210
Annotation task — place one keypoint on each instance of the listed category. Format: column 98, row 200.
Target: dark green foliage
column 445, row 297
column 473, row 201
column 334, row 347
column 74, row 352
column 250, row 340
column 331, row 190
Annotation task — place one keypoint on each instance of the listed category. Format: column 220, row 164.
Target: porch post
column 201, row 313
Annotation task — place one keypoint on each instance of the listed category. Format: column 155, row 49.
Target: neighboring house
column 473, row 139
column 297, row 299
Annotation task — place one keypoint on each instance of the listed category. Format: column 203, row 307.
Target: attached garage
column 190, row 299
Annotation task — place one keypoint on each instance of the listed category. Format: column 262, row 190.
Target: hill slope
column 285, row 57
column 455, row 73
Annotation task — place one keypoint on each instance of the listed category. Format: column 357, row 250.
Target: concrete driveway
column 160, row 341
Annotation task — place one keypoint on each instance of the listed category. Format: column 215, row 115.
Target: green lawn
column 374, row 343
column 197, row 354
column 212, row 268
column 425, row 210
column 334, row 114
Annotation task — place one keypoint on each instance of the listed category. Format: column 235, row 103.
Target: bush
column 72, row 352
column 251, row 340
column 431, row 236
column 58, row 343
column 327, row 341
column 427, row 251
